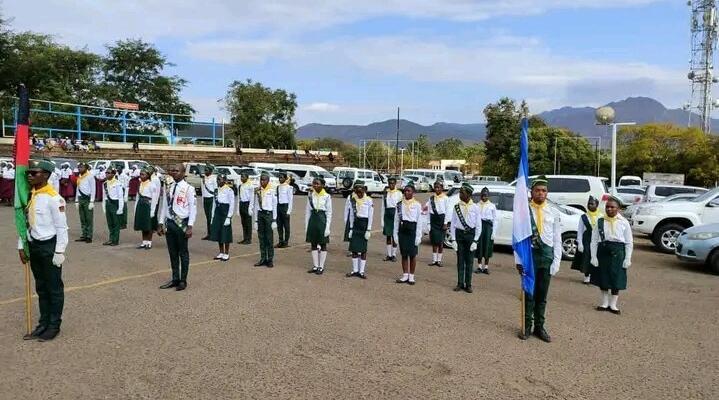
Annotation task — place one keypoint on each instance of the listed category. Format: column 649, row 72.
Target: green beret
column 484, row 190
column 391, row 179
column 466, row 187
column 45, row 165
column 244, row 175
column 540, row 180
column 615, row 199
column 265, row 175
column 148, row 170
column 222, row 176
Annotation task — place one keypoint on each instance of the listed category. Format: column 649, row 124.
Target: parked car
column 630, row 180
column 346, row 177
column 630, row 194
column 193, row 175
column 253, row 175
column 421, row 183
column 663, row 222
column 574, row 190
column 629, row 211
column 700, row 244
column 503, row 199
column 657, row 192
column 308, row 173
column 432, row 174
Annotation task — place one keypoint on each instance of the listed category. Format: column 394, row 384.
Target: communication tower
column 701, row 65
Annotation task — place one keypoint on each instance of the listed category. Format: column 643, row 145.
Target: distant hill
column 641, row 110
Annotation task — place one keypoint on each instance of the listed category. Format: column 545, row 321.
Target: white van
column 308, row 173
column 574, row 190
column 346, row 177
column 263, row 165
column 432, row 174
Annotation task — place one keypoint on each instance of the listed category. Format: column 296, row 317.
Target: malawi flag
column 21, row 153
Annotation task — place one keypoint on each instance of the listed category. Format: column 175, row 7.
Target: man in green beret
column 47, row 240
column 209, row 189
column 85, row 201
column 265, row 220
column 465, row 230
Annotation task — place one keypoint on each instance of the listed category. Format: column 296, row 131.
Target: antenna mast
column 701, row 65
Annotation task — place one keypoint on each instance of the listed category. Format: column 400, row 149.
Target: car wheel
column 447, row 242
column 713, row 262
column 347, row 183
column 665, row 237
column 569, row 246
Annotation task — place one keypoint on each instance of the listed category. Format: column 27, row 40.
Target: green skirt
column 583, row 260
column 407, row 235
column 358, row 244
column 143, row 221
column 436, row 230
column 218, row 231
column 346, row 236
column 388, row 229
column 485, row 247
column 316, row 228
column 111, row 207
column 611, row 273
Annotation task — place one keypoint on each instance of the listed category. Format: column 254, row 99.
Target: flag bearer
column 465, row 231
column 485, row 247
column 612, row 246
column 148, row 197
column 587, row 223
column 177, row 217
column 391, row 197
column 360, row 211
column 221, row 227
column 408, row 232
column 209, row 190
column 85, row 201
column 265, row 220
column 546, row 254
column 285, row 193
column 439, row 218
column 245, row 205
column 318, row 218
column 47, row 240
column 114, row 206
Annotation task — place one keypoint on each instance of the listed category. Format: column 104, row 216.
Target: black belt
column 265, row 212
column 145, row 198
column 37, row 241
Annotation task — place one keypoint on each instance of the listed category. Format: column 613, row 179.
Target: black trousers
column 179, row 254
column 283, row 223
column 48, row 282
column 246, row 219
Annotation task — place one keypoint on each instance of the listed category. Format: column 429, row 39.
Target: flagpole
column 28, row 299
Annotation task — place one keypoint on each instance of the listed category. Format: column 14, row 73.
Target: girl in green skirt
column 148, row 195
column 612, row 246
column 114, row 206
column 438, row 220
column 485, row 248
column 587, row 223
column 221, row 223
column 318, row 218
column 391, row 197
column 408, row 233
column 360, row 211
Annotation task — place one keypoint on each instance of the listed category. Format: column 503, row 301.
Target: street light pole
column 605, row 116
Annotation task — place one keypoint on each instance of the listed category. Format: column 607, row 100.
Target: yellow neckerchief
column 408, row 203
column 285, row 183
column 538, row 214
column 113, row 181
column 248, row 183
column 612, row 222
column 263, row 191
column 48, row 190
column 484, row 203
column 143, row 184
column 439, row 196
column 390, row 191
column 465, row 207
column 593, row 216
column 320, row 194
column 360, row 201
column 82, row 177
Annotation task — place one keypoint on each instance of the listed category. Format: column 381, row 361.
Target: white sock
column 587, row 278
column 411, row 277
column 389, row 250
column 434, row 257
column 613, row 302
column 405, row 277
column 439, row 257
column 323, row 258
column 394, row 251
column 315, row 258
column 605, row 298
column 481, row 266
column 362, row 265
column 355, row 265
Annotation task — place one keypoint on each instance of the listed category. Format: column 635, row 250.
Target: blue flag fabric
column 522, row 222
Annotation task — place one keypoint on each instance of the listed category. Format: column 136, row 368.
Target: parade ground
column 240, row 332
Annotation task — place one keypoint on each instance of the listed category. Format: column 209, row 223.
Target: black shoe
column 270, row 264
column 394, row 259
column 113, row 244
column 526, row 334
column 82, row 239
column 49, row 334
column 458, row 288
column 108, row 243
column 351, row 274
column 432, row 264
column 320, row 271
column 313, row 270
column 478, row 271
column 182, row 285
column 439, row 264
column 485, row 271
column 615, row 312
column 600, row 308
column 400, row 280
column 169, row 285
column 542, row 334
column 246, row 242
column 35, row 333
column 207, row 237
column 88, row 240
column 362, row 276
column 468, row 289
column 412, row 283
column 388, row 258
column 141, row 247
column 260, row 263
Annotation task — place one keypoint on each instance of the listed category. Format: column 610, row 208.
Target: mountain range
column 641, row 110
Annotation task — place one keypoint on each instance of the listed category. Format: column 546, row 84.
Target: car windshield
column 346, row 173
column 706, row 196
column 248, row 171
column 325, row 174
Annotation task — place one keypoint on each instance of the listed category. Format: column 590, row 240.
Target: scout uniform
column 54, row 181
column 85, row 203
column 612, row 246
column 285, row 193
column 148, row 197
column 177, row 214
column 7, row 186
column 439, row 216
column 245, row 205
column 265, row 221
column 583, row 257
column 485, row 247
column 221, row 226
column 134, row 183
column 124, row 178
column 318, row 218
column 465, row 230
column 389, row 210
column 209, row 189
column 156, row 181
column 407, row 232
column 47, row 240
column 360, row 212
column 114, row 207
column 99, row 180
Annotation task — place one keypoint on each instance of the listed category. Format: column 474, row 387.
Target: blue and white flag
column 522, row 219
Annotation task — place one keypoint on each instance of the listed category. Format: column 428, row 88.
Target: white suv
column 574, row 190
column 658, row 192
column 346, row 177
column 665, row 221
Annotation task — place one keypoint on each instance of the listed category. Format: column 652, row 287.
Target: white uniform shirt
column 472, row 217
column 285, row 193
column 321, row 202
column 8, row 173
column 551, row 233
column 46, row 219
column 181, row 197
column 441, row 202
column 225, row 195
column 54, row 180
column 86, row 186
column 411, row 212
column 124, row 178
column 135, row 173
column 618, row 231
column 65, row 172
column 246, row 193
column 266, row 201
column 488, row 212
column 115, row 191
column 391, row 198
column 365, row 209
column 209, row 185
column 151, row 190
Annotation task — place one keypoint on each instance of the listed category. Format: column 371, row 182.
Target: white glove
column 492, row 237
column 350, row 234
column 418, row 241
column 473, row 247
column 274, row 225
column 580, row 247
column 327, row 231
column 395, row 238
column 367, row 235
column 104, row 208
column 256, row 228
column 227, row 222
column 119, row 211
column 627, row 264
column 58, row 259
column 152, row 214
column 91, row 206
column 554, row 268
column 454, row 245
column 77, row 205
column 595, row 261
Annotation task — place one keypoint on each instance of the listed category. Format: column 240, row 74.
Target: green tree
column 449, row 149
column 475, row 156
column 260, row 116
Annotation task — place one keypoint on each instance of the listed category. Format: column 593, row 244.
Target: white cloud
column 321, row 107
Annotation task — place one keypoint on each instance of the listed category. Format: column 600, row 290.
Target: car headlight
column 703, row 236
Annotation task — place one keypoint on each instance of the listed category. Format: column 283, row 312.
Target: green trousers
column 283, row 223
column 86, row 217
column 465, row 258
column 48, row 282
column 207, row 203
column 246, row 219
column 113, row 220
column 264, row 232
column 535, row 306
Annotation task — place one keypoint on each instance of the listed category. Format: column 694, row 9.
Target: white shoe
column 225, row 257
column 219, row 256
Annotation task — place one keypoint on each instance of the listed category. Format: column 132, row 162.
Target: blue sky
column 354, row 62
